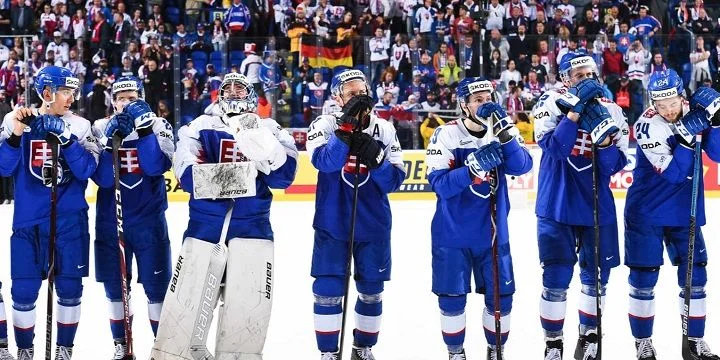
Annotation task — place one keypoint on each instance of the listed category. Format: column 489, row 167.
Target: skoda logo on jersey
column 480, row 86
column 581, row 61
column 664, row 94
column 348, row 172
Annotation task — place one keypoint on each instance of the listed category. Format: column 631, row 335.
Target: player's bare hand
column 21, row 115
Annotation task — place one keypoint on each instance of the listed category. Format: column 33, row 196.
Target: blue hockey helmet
column 128, row 83
column 56, row 77
column 345, row 77
column 665, row 84
column 575, row 60
column 471, row 85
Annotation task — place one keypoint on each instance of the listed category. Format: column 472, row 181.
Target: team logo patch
column 348, row 171
column 130, row 171
column 40, row 164
column 581, row 153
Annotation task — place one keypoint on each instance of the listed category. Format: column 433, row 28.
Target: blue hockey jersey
column 208, row 140
column 25, row 164
column 565, row 180
column 661, row 191
column 143, row 161
column 333, row 202
column 462, row 215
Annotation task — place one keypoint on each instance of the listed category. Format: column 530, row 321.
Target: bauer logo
column 72, row 82
column 176, row 273
column 480, row 86
column 268, row 280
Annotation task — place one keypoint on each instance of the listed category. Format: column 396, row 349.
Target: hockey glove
column 37, row 128
column 56, row 126
column 578, row 96
column 484, row 159
column 709, row 100
column 141, row 113
column 367, row 149
column 357, row 105
column 691, row 124
column 344, row 136
column 121, row 125
column 596, row 120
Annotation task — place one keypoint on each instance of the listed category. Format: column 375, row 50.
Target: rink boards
column 416, row 187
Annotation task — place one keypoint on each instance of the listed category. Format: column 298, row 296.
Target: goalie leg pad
column 247, row 300
column 190, row 301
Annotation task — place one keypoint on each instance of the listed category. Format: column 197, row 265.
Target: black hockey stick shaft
column 53, row 143
column 351, row 244
column 697, row 173
column 596, row 235
column 494, row 183
column 125, row 294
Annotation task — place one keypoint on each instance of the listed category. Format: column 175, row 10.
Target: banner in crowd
column 416, row 186
column 325, row 52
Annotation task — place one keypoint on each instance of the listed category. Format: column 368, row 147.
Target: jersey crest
column 348, row 172
column 41, row 164
column 229, row 152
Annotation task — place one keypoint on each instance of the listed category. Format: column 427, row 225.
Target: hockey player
column 4, row 352
column 459, row 159
column 145, row 155
column 657, row 209
column 339, row 144
column 567, row 123
column 25, row 155
column 228, row 163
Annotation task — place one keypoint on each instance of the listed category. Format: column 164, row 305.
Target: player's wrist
column 13, row 140
column 573, row 116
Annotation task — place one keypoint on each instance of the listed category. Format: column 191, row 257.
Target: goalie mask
column 236, row 96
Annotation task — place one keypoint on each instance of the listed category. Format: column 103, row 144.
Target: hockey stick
column 697, row 172
column 596, row 235
column 116, row 142
column 351, row 241
column 494, row 183
column 54, row 143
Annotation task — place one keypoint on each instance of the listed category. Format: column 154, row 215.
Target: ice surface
column 411, row 325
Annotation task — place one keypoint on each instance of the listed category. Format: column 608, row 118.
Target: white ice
column 411, row 325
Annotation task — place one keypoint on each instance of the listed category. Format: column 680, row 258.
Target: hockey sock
column 69, row 292
column 641, row 311
column 68, row 317
column 587, row 309
column 117, row 318
column 489, row 319
column 24, row 294
column 155, row 292
column 696, row 321
column 24, row 324
column 328, row 292
column 328, row 319
column 452, row 321
column 553, row 304
column 368, row 312
column 3, row 320
column 154, row 310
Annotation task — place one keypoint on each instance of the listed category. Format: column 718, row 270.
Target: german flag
column 325, row 52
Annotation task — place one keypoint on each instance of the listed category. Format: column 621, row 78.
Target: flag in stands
column 325, row 52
